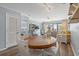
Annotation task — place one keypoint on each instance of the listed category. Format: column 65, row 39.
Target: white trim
column 9, row 44
column 73, row 50
column 3, row 49
column 7, row 47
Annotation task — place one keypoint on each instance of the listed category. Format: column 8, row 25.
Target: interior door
column 11, row 26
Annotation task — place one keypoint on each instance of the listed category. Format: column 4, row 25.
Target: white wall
column 2, row 29
column 3, row 25
column 28, row 21
column 74, row 28
column 24, row 24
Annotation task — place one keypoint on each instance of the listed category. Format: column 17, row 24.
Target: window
column 55, row 27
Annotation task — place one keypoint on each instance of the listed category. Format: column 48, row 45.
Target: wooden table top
column 41, row 42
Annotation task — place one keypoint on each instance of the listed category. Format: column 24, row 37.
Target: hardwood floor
column 10, row 51
column 22, row 50
column 65, row 50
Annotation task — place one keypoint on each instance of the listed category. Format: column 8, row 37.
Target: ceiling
column 41, row 12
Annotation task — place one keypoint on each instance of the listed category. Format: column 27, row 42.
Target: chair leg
column 59, row 47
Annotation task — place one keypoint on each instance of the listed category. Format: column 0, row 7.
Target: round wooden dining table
column 41, row 42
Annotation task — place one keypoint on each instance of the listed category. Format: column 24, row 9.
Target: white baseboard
column 73, row 50
column 3, row 49
column 7, row 48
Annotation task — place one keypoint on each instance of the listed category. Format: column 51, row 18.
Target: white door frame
column 7, row 23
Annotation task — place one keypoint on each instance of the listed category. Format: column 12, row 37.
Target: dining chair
column 35, row 52
column 23, row 47
column 54, row 34
column 52, row 51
